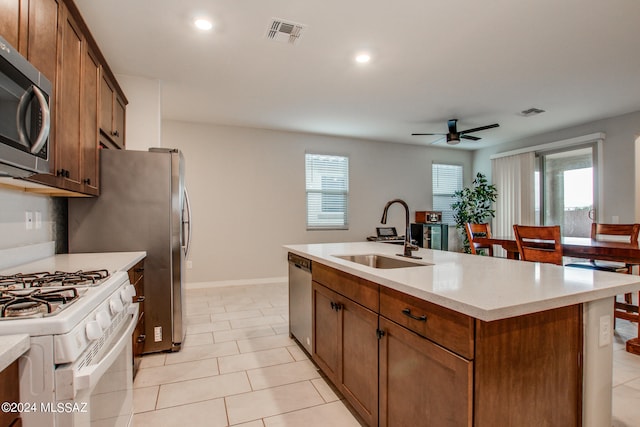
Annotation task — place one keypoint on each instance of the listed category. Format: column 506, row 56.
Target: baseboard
column 238, row 282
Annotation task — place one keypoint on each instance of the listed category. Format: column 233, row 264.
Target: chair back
column 473, row 230
column 601, row 231
column 539, row 243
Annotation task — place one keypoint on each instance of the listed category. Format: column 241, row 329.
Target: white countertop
column 111, row 261
column 12, row 347
column 486, row 288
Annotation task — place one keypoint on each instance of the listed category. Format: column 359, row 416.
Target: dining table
column 591, row 249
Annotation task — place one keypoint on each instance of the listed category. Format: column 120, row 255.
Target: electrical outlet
column 189, row 264
column 28, row 220
column 157, row 333
column 604, row 338
column 615, row 219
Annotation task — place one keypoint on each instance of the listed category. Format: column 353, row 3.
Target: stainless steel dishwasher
column 300, row 300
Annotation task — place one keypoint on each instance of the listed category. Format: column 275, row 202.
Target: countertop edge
column 12, row 347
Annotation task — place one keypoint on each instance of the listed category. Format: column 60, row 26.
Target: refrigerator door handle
column 186, row 220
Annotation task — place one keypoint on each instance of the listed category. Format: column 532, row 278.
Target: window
column 447, row 179
column 327, row 180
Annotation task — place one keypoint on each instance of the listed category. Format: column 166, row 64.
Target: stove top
column 36, row 302
column 78, row 278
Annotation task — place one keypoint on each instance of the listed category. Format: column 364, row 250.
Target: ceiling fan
column 454, row 136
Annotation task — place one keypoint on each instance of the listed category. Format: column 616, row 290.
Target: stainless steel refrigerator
column 143, row 206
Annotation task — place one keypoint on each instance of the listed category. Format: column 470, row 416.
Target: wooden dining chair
column 480, row 230
column 627, row 233
column 539, row 243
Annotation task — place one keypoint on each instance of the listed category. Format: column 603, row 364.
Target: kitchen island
column 464, row 340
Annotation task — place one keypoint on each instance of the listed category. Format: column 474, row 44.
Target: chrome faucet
column 408, row 246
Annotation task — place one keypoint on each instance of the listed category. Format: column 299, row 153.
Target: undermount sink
column 380, row 261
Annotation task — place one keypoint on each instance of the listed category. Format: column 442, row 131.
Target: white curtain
column 513, row 177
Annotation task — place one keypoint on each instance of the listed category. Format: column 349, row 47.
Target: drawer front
column 450, row 329
column 356, row 289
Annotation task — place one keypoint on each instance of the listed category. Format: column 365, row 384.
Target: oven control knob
column 115, row 305
column 103, row 319
column 94, row 331
column 127, row 294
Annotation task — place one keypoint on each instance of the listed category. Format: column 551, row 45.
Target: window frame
column 328, row 196
column 447, row 214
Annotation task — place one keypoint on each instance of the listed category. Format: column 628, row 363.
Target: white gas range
column 78, row 371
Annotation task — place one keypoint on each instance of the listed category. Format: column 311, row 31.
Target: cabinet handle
column 407, row 312
column 115, row 133
column 138, row 270
column 141, row 338
column 87, row 181
column 336, row 306
column 140, row 299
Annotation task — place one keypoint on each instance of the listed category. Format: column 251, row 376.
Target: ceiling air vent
column 531, row 112
column 284, row 32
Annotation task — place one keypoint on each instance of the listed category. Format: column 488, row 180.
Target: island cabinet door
column 326, row 331
column 345, row 347
column 421, row 383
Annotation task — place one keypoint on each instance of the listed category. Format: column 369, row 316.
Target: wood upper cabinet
column 52, row 35
column 90, row 96
column 345, row 346
column 10, row 20
column 112, row 112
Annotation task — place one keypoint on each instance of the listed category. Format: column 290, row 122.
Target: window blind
column 327, row 186
column 446, row 179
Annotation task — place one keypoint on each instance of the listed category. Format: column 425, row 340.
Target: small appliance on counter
column 387, row 235
column 428, row 217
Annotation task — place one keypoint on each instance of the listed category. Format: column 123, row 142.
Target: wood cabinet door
column 421, row 383
column 42, row 35
column 359, row 354
column 89, row 120
column 119, row 111
column 68, row 101
column 106, row 105
column 326, row 331
column 10, row 21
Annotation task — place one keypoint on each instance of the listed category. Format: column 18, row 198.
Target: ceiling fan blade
column 472, row 138
column 418, row 134
column 452, row 126
column 495, row 125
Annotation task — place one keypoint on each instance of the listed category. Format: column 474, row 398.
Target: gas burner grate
column 58, row 278
column 35, row 302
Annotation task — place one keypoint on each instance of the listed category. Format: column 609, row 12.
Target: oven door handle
column 88, row 377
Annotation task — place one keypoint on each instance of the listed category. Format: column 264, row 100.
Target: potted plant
column 473, row 205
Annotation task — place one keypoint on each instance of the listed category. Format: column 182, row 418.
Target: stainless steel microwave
column 25, row 119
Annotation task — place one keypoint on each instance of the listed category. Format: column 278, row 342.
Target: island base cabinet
column 528, row 370
column 421, row 383
column 345, row 347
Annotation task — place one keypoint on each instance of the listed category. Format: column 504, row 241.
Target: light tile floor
column 238, row 367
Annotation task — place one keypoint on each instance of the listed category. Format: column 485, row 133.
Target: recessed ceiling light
column 363, row 58
column 203, row 24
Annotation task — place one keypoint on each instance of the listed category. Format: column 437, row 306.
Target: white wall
column 143, row 125
column 13, row 205
column 247, row 189
column 617, row 165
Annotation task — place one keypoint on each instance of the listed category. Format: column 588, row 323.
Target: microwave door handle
column 187, row 221
column 22, row 120
column 46, row 121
